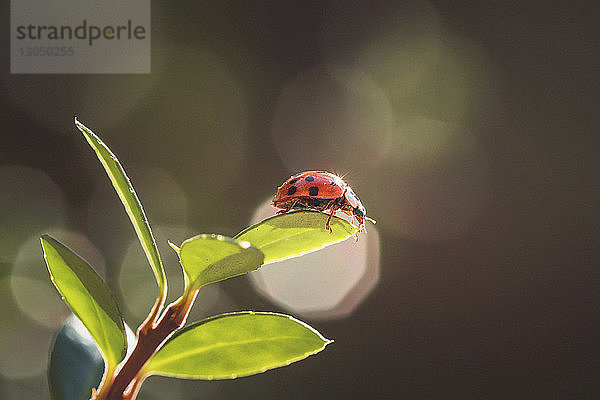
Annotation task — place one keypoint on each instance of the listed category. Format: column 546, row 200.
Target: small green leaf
column 130, row 201
column 88, row 297
column 294, row 234
column 233, row 345
column 212, row 258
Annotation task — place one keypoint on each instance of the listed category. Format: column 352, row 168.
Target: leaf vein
column 200, row 350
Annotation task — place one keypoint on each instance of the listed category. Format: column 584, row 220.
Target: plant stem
column 153, row 316
column 149, row 340
column 134, row 388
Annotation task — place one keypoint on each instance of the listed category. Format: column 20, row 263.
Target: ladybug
column 321, row 191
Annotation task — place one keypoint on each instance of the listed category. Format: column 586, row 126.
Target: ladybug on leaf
column 321, row 191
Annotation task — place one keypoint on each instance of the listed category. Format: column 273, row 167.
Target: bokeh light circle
column 329, row 283
column 332, row 118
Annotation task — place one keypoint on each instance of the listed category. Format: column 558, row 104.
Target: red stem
column 149, row 340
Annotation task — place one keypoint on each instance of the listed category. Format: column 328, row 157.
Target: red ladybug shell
column 310, row 184
column 322, row 191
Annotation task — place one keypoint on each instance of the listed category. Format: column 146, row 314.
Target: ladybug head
column 359, row 212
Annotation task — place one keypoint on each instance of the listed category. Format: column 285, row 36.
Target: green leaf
column 212, row 258
column 294, row 234
column 88, row 297
column 233, row 345
column 130, row 201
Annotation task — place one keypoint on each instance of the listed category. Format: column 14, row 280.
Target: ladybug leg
column 287, row 209
column 327, row 226
column 283, row 211
column 332, row 206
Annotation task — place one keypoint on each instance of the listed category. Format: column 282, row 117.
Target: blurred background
column 466, row 128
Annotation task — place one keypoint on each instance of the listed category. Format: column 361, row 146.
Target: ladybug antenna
column 370, row 219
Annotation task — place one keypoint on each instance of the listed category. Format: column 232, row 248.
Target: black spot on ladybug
column 291, row 190
column 309, row 178
column 293, row 181
column 313, row 190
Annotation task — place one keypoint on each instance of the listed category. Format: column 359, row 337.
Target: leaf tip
column 45, row 240
column 78, row 124
column 174, row 246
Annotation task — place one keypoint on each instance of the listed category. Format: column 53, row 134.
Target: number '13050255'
column 47, row 51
